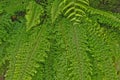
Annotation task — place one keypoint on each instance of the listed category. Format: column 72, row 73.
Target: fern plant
column 58, row 40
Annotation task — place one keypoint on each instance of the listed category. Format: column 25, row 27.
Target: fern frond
column 113, row 40
column 100, row 54
column 104, row 17
column 16, row 42
column 5, row 28
column 55, row 9
column 79, row 67
column 56, row 56
column 74, row 10
column 34, row 12
column 26, row 52
column 76, row 64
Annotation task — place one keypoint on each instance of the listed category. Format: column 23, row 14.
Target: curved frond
column 74, row 10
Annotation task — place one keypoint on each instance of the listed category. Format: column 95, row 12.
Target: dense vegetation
column 59, row 40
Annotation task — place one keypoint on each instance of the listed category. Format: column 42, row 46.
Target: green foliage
column 103, row 17
column 25, row 54
column 77, row 61
column 34, row 12
column 4, row 34
column 107, row 5
column 74, row 10
column 99, row 52
column 13, row 6
column 58, row 40
column 55, row 10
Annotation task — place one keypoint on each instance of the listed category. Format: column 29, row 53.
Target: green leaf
column 34, row 12
column 74, row 10
column 55, row 10
column 26, row 52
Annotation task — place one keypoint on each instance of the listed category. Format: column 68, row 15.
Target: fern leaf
column 56, row 56
column 12, row 51
column 104, row 17
column 5, row 27
column 28, row 50
column 75, row 63
column 74, row 10
column 101, row 57
column 113, row 40
column 33, row 15
column 55, row 10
